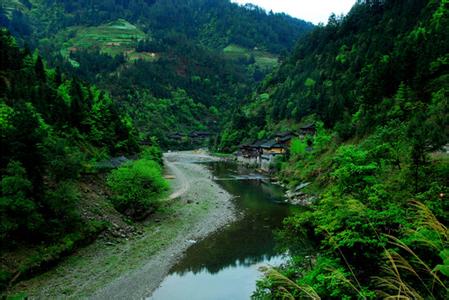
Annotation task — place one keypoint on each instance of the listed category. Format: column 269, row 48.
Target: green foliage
column 50, row 126
column 153, row 153
column 137, row 187
column 18, row 212
column 328, row 277
column 353, row 172
column 61, row 203
column 298, row 147
column 444, row 268
column 63, row 160
column 136, row 51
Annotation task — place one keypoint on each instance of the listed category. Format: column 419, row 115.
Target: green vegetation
column 115, row 38
column 53, row 129
column 136, row 187
column 377, row 82
column 149, row 60
column 262, row 59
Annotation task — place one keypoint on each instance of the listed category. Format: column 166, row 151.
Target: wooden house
column 272, row 147
column 245, row 150
column 285, row 138
column 199, row 135
column 309, row 129
column 251, row 150
column 177, row 136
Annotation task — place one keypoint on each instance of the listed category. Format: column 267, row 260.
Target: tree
column 18, row 212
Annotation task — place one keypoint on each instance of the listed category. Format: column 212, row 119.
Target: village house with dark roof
column 309, row 129
column 262, row 153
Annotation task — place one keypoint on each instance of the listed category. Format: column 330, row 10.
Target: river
column 225, row 265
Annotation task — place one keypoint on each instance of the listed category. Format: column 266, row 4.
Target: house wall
column 249, row 161
column 274, row 151
column 267, row 160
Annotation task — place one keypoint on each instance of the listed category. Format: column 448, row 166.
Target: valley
column 204, row 149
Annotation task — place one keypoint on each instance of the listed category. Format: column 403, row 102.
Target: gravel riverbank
column 194, row 186
column 132, row 269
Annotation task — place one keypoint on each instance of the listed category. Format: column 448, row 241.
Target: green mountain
column 350, row 73
column 375, row 84
column 171, row 64
column 85, row 83
column 53, row 129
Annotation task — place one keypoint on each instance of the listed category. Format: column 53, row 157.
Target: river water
column 225, row 265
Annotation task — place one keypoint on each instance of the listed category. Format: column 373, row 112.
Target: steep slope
column 350, row 73
column 53, row 128
column 376, row 85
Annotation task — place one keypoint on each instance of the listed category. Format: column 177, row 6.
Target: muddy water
column 226, row 264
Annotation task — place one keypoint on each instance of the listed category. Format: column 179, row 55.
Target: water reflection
column 233, row 282
column 225, row 264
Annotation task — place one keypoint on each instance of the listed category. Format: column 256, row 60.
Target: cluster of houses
column 262, row 153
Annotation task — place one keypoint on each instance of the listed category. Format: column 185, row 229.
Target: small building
column 309, row 129
column 199, row 135
column 285, row 138
column 177, row 136
column 245, row 150
column 272, row 147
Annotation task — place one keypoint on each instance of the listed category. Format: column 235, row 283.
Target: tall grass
column 404, row 275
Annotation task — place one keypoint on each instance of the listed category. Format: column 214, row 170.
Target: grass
column 118, row 37
column 264, row 60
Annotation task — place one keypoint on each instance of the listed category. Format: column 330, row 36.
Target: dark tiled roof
column 271, row 144
column 259, row 143
column 285, row 134
column 285, row 138
column 308, row 126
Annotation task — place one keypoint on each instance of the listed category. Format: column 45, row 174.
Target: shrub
column 137, row 187
column 298, row 147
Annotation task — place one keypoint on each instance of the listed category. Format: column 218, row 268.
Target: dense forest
column 56, row 130
column 154, row 55
column 375, row 83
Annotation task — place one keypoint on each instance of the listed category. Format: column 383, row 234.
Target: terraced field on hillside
column 263, row 59
column 118, row 37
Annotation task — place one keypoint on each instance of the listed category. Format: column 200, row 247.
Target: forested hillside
column 376, row 85
column 57, row 133
column 165, row 62
column 353, row 117
column 350, row 72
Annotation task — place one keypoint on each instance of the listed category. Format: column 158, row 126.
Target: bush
column 298, row 147
column 137, row 187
